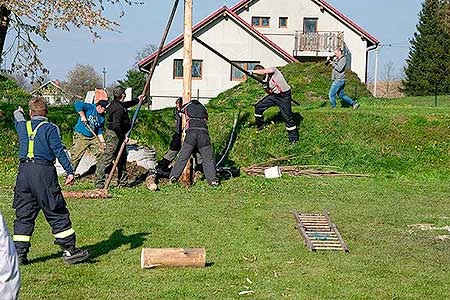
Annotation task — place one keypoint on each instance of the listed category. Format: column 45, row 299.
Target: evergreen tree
column 428, row 63
column 135, row 80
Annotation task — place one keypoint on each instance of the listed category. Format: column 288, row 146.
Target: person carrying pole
column 88, row 135
column 115, row 134
column 339, row 63
column 279, row 94
column 197, row 136
column 37, row 186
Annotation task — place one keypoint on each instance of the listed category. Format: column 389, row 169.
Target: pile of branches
column 298, row 170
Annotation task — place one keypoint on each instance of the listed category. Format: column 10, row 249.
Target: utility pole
column 186, row 177
column 375, row 79
column 104, row 78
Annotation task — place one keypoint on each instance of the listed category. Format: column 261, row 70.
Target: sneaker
column 75, row 255
column 214, row 183
column 22, row 258
column 356, row 105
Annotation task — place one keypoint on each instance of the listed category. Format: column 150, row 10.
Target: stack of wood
column 298, row 170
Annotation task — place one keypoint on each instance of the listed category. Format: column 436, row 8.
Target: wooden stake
column 186, row 177
column 173, row 257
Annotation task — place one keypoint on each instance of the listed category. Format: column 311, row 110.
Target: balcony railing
column 324, row 41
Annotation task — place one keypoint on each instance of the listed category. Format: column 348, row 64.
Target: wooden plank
column 301, row 229
column 334, row 227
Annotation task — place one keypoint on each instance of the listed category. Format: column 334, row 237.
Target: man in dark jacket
column 197, row 136
column 115, row 134
column 37, row 186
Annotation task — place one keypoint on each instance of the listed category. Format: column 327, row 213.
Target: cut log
column 173, row 257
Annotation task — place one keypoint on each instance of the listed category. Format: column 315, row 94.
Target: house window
column 197, row 69
column 237, row 75
column 261, row 22
column 310, row 25
column 283, row 22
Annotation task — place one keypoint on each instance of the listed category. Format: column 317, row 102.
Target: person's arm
column 262, row 71
column 80, row 108
column 58, row 148
column 19, row 120
column 339, row 64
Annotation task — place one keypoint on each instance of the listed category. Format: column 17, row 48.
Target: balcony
column 317, row 43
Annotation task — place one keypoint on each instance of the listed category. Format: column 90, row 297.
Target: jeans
column 337, row 87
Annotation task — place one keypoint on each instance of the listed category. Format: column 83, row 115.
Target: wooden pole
column 186, row 177
column 173, row 257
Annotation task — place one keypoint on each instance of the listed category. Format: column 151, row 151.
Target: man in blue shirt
column 37, row 186
column 88, row 135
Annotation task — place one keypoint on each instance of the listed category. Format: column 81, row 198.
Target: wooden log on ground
column 87, row 194
column 173, row 257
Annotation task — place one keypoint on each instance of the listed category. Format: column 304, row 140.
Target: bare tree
column 389, row 75
column 81, row 79
column 30, row 19
column 144, row 53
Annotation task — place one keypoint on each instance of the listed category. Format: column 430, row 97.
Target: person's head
column 119, row 93
column 101, row 106
column 179, row 102
column 338, row 52
column 38, row 107
column 258, row 67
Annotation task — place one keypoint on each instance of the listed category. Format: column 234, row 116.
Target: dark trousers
column 283, row 101
column 196, row 138
column 106, row 160
column 37, row 188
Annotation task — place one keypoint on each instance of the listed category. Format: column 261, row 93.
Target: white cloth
column 9, row 265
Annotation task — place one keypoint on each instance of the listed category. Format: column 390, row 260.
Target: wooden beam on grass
column 173, row 257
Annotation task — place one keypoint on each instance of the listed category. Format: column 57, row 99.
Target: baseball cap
column 103, row 103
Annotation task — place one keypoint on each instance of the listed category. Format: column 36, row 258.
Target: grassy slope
column 403, row 143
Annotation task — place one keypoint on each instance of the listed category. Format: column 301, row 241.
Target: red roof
column 331, row 9
column 213, row 16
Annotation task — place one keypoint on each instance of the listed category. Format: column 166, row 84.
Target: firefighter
column 88, row 133
column 197, row 136
column 279, row 94
column 37, row 186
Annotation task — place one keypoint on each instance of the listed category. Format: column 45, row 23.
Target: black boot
column 22, row 258
column 73, row 255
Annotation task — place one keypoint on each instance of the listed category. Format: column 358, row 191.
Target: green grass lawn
column 246, row 226
column 248, row 232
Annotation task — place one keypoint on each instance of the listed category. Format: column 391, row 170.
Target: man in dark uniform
column 279, row 94
column 37, row 184
column 162, row 168
column 118, row 126
column 197, row 136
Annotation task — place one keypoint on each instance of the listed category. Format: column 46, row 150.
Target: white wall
column 228, row 38
column 296, row 10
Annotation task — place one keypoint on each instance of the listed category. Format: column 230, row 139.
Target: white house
column 272, row 33
column 53, row 93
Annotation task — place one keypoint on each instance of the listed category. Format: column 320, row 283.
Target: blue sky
column 390, row 21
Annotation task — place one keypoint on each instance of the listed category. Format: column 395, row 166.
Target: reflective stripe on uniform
column 64, row 233
column 258, row 116
column 291, row 128
column 31, row 134
column 21, row 238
